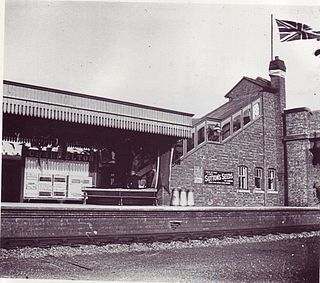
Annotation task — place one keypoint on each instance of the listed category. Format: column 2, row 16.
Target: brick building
column 302, row 146
column 238, row 155
column 248, row 152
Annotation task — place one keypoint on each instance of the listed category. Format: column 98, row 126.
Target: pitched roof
column 261, row 82
column 36, row 101
column 236, row 104
column 93, row 97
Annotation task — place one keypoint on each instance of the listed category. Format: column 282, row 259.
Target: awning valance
column 28, row 100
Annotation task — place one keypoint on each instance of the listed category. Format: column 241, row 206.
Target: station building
column 57, row 143
column 251, row 151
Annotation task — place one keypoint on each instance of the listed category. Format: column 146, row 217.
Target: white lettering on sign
column 217, row 177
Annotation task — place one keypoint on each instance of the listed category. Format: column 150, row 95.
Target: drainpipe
column 264, row 153
column 285, row 159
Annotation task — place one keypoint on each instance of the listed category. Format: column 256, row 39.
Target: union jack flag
column 290, row 31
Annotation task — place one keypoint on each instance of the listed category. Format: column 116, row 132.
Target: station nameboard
column 218, row 177
column 55, row 155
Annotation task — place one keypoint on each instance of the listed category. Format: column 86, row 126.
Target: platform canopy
column 35, row 101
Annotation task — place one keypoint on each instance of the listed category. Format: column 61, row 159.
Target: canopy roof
column 47, row 103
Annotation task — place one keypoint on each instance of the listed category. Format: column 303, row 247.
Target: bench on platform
column 120, row 194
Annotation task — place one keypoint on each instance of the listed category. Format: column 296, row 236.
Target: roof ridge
column 95, row 97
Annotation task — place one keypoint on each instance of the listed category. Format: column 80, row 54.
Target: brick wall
column 315, row 121
column 301, row 125
column 257, row 144
column 44, row 223
column 253, row 146
column 313, row 170
column 298, row 172
column 244, row 87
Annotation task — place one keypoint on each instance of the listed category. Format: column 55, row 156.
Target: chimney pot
column 277, row 64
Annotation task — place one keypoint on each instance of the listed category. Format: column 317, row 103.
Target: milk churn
column 190, row 197
column 175, row 197
column 183, row 197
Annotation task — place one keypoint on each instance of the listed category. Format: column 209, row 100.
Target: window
column 258, row 178
column 243, row 177
column 271, row 179
column 256, row 110
column 201, row 135
column 236, row 122
column 213, row 132
column 246, row 116
column 178, row 152
column 225, row 131
column 190, row 143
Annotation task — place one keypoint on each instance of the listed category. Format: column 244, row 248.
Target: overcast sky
column 179, row 56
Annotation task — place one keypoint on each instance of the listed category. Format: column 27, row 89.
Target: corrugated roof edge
column 95, row 97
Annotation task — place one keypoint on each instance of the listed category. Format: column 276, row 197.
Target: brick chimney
column 277, row 73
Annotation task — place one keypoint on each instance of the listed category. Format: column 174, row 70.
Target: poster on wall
column 59, row 185
column 75, row 185
column 212, row 177
column 31, row 185
column 45, row 185
column 198, row 173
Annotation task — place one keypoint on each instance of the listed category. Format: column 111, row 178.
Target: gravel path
column 28, row 252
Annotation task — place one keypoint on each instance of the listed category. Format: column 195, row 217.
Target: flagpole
column 271, row 37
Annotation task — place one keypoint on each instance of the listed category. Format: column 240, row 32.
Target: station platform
column 51, row 223
column 74, row 206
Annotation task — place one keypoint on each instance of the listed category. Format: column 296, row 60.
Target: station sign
column 212, row 177
column 57, row 155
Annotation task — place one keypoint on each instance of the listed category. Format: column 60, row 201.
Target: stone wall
column 253, row 146
column 259, row 144
column 26, row 224
column 302, row 126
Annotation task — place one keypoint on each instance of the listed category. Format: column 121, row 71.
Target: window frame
column 223, row 123
column 258, row 169
column 273, row 182
column 238, row 114
column 198, row 128
column 243, row 183
column 248, row 107
column 213, row 124
column 192, row 137
column 256, row 102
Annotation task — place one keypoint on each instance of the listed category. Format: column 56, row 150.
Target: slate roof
column 234, row 105
column 263, row 83
column 231, row 107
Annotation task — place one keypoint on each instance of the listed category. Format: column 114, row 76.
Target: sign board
column 57, row 155
column 59, row 185
column 75, row 185
column 49, row 178
column 31, row 185
column 198, row 173
column 212, row 177
column 45, row 185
